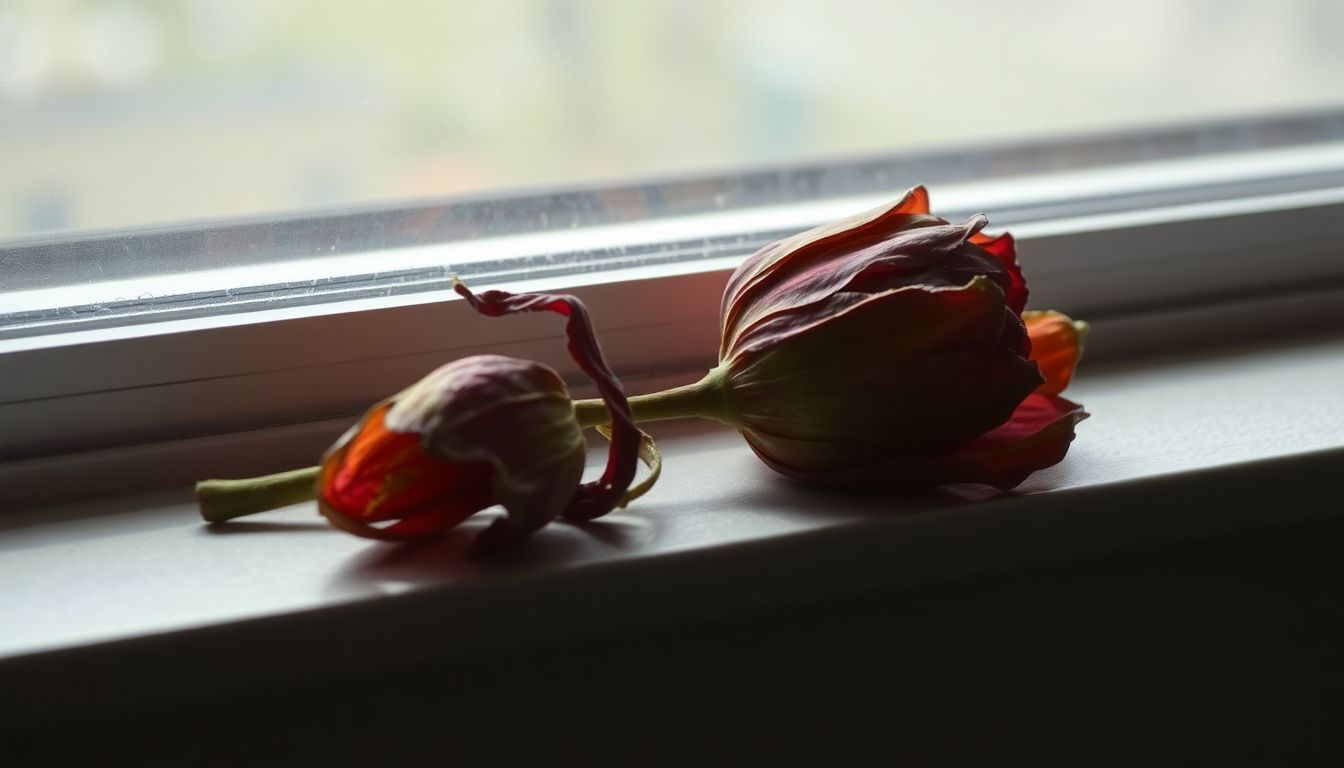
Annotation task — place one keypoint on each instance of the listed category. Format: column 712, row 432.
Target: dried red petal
column 815, row 251
column 599, row 497
column 1036, row 437
column 857, row 352
column 1004, row 249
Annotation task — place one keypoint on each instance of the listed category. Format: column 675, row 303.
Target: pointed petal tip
column 973, row 226
column 915, row 200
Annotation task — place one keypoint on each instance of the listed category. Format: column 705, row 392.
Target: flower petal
column 1036, row 437
column 896, row 247
column 908, row 321
column 597, row 498
column 373, row 474
column 965, row 394
column 808, row 386
column 874, row 222
column 1004, row 249
column 1056, row 346
column 916, row 256
column 815, row 248
column 514, row 415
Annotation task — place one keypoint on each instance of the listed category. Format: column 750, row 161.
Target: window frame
column 1245, row 227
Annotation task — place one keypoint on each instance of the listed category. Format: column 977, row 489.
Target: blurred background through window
column 118, row 113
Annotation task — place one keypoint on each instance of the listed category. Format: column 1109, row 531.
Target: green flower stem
column 222, row 500
column 703, row 399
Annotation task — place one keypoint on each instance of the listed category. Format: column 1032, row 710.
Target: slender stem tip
column 222, row 500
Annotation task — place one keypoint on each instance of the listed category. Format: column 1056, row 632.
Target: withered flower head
column 478, row 432
column 889, row 350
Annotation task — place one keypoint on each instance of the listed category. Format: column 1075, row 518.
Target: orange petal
column 1056, row 346
column 374, row 474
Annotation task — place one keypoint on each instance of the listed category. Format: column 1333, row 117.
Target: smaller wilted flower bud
column 476, row 432
column 482, row 431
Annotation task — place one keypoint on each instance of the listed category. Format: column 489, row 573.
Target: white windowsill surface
column 1175, row 448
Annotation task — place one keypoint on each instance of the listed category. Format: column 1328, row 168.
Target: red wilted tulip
column 477, row 432
column 887, row 350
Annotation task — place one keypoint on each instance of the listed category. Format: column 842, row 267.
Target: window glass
column 117, row 113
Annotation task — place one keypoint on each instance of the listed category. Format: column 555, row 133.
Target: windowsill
column 102, row 592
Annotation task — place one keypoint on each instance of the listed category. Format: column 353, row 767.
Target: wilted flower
column 889, row 350
column 477, row 432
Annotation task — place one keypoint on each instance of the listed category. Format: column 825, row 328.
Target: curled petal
column 757, row 282
column 1056, row 346
column 913, row 321
column 915, row 256
column 599, row 497
column 872, row 223
column 1036, row 437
